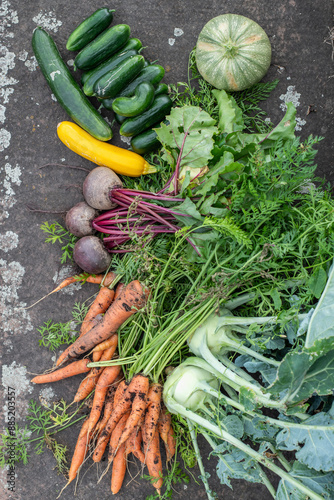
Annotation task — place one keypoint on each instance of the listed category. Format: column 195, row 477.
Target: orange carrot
column 113, row 340
column 106, row 378
column 106, row 355
column 115, row 436
column 171, row 445
column 153, row 411
column 101, row 303
column 97, row 356
column 153, row 461
column 132, row 298
column 133, row 445
column 138, row 393
column 107, row 410
column 164, row 424
column 119, row 288
column 79, row 452
column 122, row 406
column 68, row 371
column 86, row 387
column 102, row 442
column 118, row 470
column 99, row 306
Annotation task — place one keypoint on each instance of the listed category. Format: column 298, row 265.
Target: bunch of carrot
column 127, row 417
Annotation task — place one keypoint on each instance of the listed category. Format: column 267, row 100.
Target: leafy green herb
column 56, row 233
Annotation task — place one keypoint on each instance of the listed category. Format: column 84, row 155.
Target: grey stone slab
column 302, row 61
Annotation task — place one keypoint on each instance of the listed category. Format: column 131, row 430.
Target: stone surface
column 302, row 61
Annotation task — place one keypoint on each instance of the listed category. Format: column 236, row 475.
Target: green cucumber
column 120, row 119
column 145, row 142
column 153, row 73
column 89, row 29
column 131, row 44
column 162, row 88
column 102, row 47
column 160, row 107
column 65, row 88
column 133, row 106
column 110, row 84
column 147, row 63
column 95, row 74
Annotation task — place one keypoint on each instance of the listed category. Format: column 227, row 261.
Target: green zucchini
column 102, row 47
column 89, row 29
column 145, row 142
column 65, row 88
column 133, row 106
column 96, row 73
column 160, row 107
column 110, row 84
column 161, row 88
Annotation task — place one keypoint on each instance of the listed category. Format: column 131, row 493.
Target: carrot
column 153, row 411
column 99, row 306
column 119, row 288
column 171, row 445
column 101, row 303
column 105, row 280
column 133, row 445
column 102, row 442
column 122, row 406
column 86, row 387
column 68, row 371
column 106, row 378
column 113, row 340
column 153, row 462
column 164, row 424
column 79, row 452
column 115, row 436
column 107, row 410
column 138, row 395
column 118, row 470
column 132, row 298
column 97, row 356
column 106, row 355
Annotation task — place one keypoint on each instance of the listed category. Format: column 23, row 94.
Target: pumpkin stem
column 231, row 49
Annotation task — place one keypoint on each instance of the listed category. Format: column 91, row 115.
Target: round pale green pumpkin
column 232, row 52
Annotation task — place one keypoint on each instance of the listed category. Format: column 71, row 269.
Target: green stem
column 199, row 459
column 175, row 407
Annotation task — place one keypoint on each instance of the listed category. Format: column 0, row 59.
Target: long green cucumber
column 131, row 44
column 104, row 68
column 64, row 87
column 110, row 84
column 89, row 29
column 152, row 74
column 155, row 113
column 102, row 47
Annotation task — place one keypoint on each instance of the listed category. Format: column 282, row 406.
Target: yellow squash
column 121, row 161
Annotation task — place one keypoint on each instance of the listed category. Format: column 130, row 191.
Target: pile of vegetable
column 216, row 272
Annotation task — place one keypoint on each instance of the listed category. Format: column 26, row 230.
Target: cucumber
column 102, row 47
column 145, row 142
column 153, row 73
column 96, row 73
column 147, row 63
column 110, row 84
column 131, row 44
column 64, row 87
column 161, row 88
column 120, row 119
column 89, row 29
column 133, row 106
column 161, row 106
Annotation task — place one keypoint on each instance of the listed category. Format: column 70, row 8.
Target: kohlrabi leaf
column 268, row 372
column 312, row 439
column 318, row 482
column 230, row 115
column 235, row 464
column 258, row 430
column 321, row 325
column 305, row 372
column 189, row 133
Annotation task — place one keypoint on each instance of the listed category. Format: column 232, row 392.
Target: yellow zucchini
column 121, row 161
